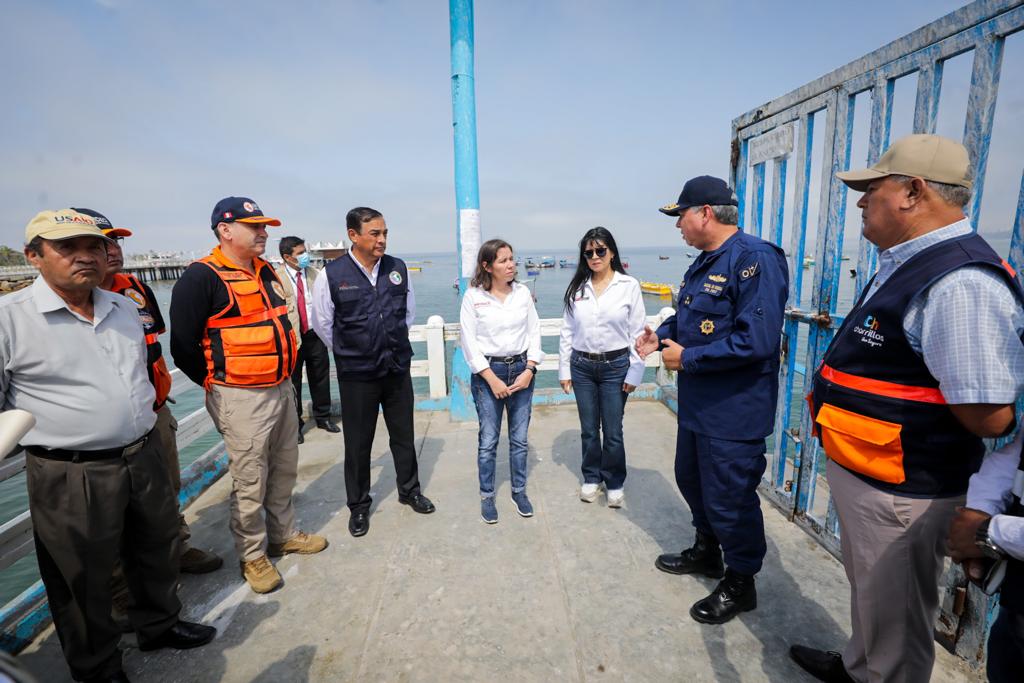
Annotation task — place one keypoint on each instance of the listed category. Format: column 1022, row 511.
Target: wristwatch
column 532, row 368
column 985, row 544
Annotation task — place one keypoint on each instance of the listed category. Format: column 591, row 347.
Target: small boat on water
column 412, row 269
column 532, row 271
column 546, row 262
column 658, row 288
column 625, row 264
column 566, row 263
column 808, row 261
column 530, row 263
column 660, row 258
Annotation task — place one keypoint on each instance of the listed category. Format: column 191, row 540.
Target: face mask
column 303, row 260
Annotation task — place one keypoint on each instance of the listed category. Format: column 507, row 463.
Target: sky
column 590, row 112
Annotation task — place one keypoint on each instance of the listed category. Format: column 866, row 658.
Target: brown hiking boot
column 261, row 575
column 301, row 543
column 196, row 561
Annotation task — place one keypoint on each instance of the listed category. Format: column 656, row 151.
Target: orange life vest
column 153, row 326
column 249, row 343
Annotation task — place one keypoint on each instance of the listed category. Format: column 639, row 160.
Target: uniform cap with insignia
column 931, row 157
column 699, row 191
column 240, row 210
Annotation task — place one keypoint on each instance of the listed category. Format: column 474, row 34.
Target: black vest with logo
column 1012, row 591
column 370, row 336
column 938, row 453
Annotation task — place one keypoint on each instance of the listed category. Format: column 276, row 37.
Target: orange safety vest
column 249, row 343
column 153, row 326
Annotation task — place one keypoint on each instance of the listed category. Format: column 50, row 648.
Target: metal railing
column 769, row 134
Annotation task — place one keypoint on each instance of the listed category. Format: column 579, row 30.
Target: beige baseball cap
column 931, row 157
column 61, row 225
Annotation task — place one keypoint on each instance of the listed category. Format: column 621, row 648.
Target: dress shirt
column 966, row 326
column 294, row 275
column 492, row 327
column 323, row 304
column 989, row 492
column 85, row 381
column 598, row 324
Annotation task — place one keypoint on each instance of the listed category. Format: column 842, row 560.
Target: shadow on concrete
column 292, row 668
column 427, row 452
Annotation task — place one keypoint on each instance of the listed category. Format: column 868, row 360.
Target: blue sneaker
column 488, row 512
column 523, row 506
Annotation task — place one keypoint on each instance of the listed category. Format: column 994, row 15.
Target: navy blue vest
column 938, row 454
column 370, row 336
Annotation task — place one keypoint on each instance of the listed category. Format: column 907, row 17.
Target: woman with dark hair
column 501, row 342
column 604, row 314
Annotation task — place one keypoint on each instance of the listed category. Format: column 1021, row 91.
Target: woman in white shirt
column 501, row 342
column 604, row 314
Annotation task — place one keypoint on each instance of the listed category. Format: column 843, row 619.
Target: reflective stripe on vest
column 250, row 342
column 882, row 388
column 156, row 366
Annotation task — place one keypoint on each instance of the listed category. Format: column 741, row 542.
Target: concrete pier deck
column 568, row 595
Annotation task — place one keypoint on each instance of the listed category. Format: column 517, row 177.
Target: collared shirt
column 599, row 324
column 84, row 380
column 492, row 327
column 295, row 275
column 323, row 304
column 989, row 492
column 966, row 326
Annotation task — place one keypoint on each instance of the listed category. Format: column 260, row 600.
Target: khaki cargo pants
column 167, row 430
column 261, row 432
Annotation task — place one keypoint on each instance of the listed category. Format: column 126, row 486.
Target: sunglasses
column 600, row 252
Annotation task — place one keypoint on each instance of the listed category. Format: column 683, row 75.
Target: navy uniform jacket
column 729, row 321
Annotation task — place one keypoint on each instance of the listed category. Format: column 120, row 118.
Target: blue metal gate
column 820, row 115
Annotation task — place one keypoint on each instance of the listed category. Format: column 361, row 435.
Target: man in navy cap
column 724, row 341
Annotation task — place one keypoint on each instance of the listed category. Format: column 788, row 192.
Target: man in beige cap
column 74, row 356
column 927, row 363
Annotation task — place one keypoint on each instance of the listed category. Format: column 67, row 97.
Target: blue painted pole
column 467, row 184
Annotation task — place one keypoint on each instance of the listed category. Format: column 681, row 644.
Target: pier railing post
column 436, row 357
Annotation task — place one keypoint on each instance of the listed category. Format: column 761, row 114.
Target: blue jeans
column 601, row 402
column 489, row 411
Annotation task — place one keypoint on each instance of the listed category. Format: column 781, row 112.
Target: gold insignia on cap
column 670, row 207
column 707, row 327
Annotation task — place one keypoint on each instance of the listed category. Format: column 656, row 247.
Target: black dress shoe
column 825, row 666
column 358, row 524
column 328, row 426
column 733, row 594
column 705, row 557
column 118, row 677
column 418, row 502
column 184, row 635
column 302, row 439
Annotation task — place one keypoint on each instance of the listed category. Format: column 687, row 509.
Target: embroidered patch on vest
column 136, row 296
column 278, row 288
column 395, row 277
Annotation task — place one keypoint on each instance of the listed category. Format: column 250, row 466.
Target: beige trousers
column 261, row 432
column 893, row 551
column 167, row 430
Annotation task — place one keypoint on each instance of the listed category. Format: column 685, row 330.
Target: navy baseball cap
column 704, row 189
column 104, row 224
column 241, row 210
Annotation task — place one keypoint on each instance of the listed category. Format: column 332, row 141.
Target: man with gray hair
column 927, row 364
column 724, row 341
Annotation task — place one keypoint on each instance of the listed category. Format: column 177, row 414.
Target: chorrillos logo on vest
column 869, row 332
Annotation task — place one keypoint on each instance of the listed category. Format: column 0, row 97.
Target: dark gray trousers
column 86, row 515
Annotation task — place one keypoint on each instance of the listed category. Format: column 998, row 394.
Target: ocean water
column 435, row 295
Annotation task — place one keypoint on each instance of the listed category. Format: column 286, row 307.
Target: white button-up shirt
column 491, row 327
column 599, row 324
column 989, row 492
column 323, row 304
column 85, row 381
column 295, row 276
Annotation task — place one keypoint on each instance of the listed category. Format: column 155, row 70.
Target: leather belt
column 606, row 355
column 507, row 359
column 89, row 456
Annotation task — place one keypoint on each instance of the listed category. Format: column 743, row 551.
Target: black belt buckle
column 603, row 356
column 507, row 360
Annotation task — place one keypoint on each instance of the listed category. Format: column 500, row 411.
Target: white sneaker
column 588, row 493
column 616, row 498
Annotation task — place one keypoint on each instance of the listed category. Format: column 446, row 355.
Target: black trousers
column 314, row 354
column 360, row 402
column 87, row 515
column 1006, row 647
